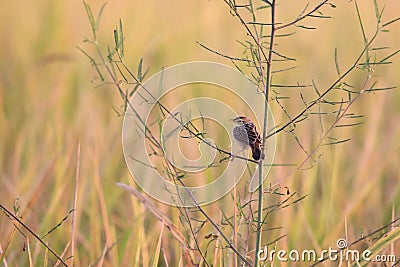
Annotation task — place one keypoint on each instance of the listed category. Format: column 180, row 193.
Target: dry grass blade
column 150, row 206
column 158, row 248
column 63, row 253
column 73, row 223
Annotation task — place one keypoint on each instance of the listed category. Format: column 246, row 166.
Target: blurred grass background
column 49, row 104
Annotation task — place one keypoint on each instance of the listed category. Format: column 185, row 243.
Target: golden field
column 55, row 118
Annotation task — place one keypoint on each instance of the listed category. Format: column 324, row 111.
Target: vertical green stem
column 260, row 164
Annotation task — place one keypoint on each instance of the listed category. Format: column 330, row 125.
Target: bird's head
column 241, row 120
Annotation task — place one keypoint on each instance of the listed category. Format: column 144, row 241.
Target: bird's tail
column 256, row 151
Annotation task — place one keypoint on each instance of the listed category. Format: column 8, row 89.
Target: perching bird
column 245, row 132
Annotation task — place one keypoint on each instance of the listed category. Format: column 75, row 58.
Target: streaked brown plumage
column 246, row 133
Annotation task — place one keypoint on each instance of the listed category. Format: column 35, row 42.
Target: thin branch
column 322, row 95
column 226, row 56
column 245, row 26
column 10, row 214
column 303, row 16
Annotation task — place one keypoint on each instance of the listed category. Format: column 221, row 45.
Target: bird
column 245, row 132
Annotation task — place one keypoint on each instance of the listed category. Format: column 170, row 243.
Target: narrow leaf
column 91, row 18
column 389, row 56
column 121, row 39
column 349, row 125
column 99, row 15
column 338, row 142
column 116, row 39
column 139, row 72
column 337, row 62
column 390, row 22
column 363, row 34
column 381, row 89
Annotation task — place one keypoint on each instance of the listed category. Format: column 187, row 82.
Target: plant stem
column 260, row 164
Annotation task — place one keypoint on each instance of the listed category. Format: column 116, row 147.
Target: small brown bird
column 245, row 132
